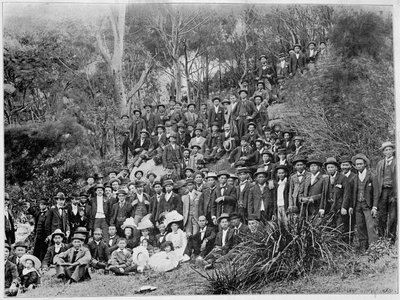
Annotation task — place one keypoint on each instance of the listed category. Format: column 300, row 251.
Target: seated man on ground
column 121, row 260
column 10, row 273
column 99, row 251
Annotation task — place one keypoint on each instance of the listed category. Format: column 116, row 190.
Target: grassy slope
column 380, row 278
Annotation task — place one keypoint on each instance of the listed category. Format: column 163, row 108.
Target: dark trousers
column 94, row 263
column 102, row 224
column 127, row 270
column 366, row 225
column 40, row 246
column 242, row 126
column 387, row 214
column 125, row 148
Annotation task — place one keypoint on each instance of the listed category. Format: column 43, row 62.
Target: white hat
column 130, row 222
column 36, row 261
column 172, row 216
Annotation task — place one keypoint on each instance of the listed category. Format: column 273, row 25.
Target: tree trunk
column 206, row 77
column 178, row 79
column 187, row 72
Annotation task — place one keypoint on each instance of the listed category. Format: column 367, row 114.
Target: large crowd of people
column 193, row 213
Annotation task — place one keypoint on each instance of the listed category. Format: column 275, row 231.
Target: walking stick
column 349, row 228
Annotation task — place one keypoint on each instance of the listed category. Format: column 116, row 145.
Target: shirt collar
column 282, row 181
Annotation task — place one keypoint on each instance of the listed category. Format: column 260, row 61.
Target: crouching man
column 73, row 264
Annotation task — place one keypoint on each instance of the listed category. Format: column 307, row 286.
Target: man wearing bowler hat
column 160, row 117
column 282, row 192
column 40, row 214
column 57, row 217
column 140, row 203
column 100, row 211
column 311, row 55
column 223, row 198
column 141, row 147
column 243, row 190
column 262, row 92
column 243, row 112
column 173, row 154
column 120, row 211
column 262, row 201
column 365, row 202
column 149, row 118
column 297, row 181
column 190, row 116
column 215, row 114
column 387, row 192
column 205, row 200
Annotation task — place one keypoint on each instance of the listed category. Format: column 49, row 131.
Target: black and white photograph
column 161, row 149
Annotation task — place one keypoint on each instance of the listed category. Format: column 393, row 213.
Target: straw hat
column 130, row 223
column 57, row 232
column 172, row 217
column 387, row 144
column 78, row 236
column 36, row 262
column 145, row 223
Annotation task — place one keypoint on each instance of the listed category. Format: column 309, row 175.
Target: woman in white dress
column 178, row 238
column 165, row 260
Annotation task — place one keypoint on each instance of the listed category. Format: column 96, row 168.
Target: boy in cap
column 387, row 192
column 73, row 263
column 365, row 202
column 223, row 198
column 243, row 112
column 121, row 262
column 40, row 214
column 99, row 251
column 58, row 247
column 57, row 217
column 11, row 278
column 190, row 208
column 223, row 241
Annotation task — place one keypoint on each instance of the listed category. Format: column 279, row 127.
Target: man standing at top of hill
column 297, row 61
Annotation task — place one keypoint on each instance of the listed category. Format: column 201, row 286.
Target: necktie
column 236, row 231
column 222, row 191
column 332, row 179
column 121, row 204
column 74, row 256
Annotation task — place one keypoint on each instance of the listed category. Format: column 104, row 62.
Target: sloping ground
column 379, row 278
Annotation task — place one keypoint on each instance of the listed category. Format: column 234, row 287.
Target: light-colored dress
column 179, row 240
column 163, row 261
column 140, row 256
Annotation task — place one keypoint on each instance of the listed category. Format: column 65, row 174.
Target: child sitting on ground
column 121, row 260
column 30, row 276
column 165, row 260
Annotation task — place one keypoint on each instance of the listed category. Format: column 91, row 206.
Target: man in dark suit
column 170, row 201
column 100, row 211
column 160, row 117
column 141, row 147
column 205, row 200
column 74, row 218
column 98, row 250
column 9, row 220
column 10, row 274
column 228, row 141
column 241, row 155
column 244, row 112
column 112, row 240
column 261, row 118
column 336, row 198
column 134, row 130
column 297, row 62
column 155, row 201
column 40, row 214
column 57, row 217
column 240, row 230
column 365, row 202
column 282, row 68
column 282, row 193
column 314, row 186
column 149, row 119
column 58, row 247
column 190, row 116
column 216, row 114
column 223, row 198
column 297, row 181
column 183, row 138
column 262, row 201
column 172, row 154
column 120, row 211
column 224, row 241
column 201, row 243
column 387, row 192
column 311, row 55
column 243, row 190
column 20, row 249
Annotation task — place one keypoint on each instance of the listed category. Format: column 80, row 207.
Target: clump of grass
column 278, row 252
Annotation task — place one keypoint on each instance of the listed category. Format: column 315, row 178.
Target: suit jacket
column 285, row 194
column 251, row 138
column 267, row 197
column 159, row 141
column 352, row 177
column 171, row 155
column 19, row 265
column 243, row 196
column 135, row 202
column 282, row 72
column 229, row 241
column 316, row 189
column 99, row 252
column 83, row 256
column 114, row 242
column 121, row 259
column 10, row 274
column 106, row 208
column 379, row 175
column 288, row 145
column 228, row 205
column 174, row 203
column 205, row 202
column 160, row 118
column 370, row 191
column 51, row 253
column 135, row 128
column 183, row 139
column 146, row 145
column 338, row 193
column 240, row 233
column 261, row 118
column 150, row 120
column 217, row 117
column 295, row 64
column 55, row 221
column 270, row 169
column 155, row 208
column 193, row 160
column 250, row 109
column 296, row 189
column 201, row 143
column 190, row 117
column 126, row 212
column 186, row 206
column 237, row 153
column 40, row 220
column 73, row 220
column 262, row 73
column 213, row 140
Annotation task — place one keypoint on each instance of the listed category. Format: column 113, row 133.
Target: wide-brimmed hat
column 36, row 262
column 260, row 171
column 196, row 146
column 145, row 223
column 346, row 158
column 212, row 174
column 312, row 42
column 226, row 101
column 172, row 217
column 60, row 195
column 168, row 182
column 360, row 156
column 121, row 192
column 129, row 223
column 157, row 182
column 314, row 160
column 99, row 186
column 82, row 230
column 114, row 180
column 181, row 124
column 243, row 170
column 268, row 153
column 243, row 90
column 160, row 126
column 233, row 176
column 145, row 131
column 297, row 45
column 234, row 216
column 222, row 173
column 137, row 171
column 147, row 105
column 216, row 98
column 139, row 183
column 387, row 144
column 223, row 216
column 150, row 173
column 189, row 181
column 331, row 161
column 191, row 104
column 251, row 123
column 281, row 167
column 78, row 236
column 282, row 54
column 261, row 56
column 298, row 138
column 259, row 96
column 187, row 149
column 299, row 158
column 20, row 244
column 137, row 110
column 282, row 151
column 261, row 82
column 189, row 168
column 57, row 232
